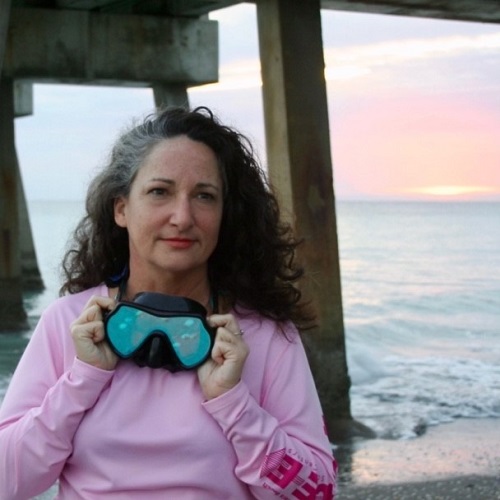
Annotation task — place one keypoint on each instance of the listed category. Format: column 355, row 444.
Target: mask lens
column 128, row 328
column 123, row 330
column 188, row 337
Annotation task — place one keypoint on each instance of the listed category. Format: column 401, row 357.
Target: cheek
column 211, row 226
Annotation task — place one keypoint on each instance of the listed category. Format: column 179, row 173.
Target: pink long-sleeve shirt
column 148, row 433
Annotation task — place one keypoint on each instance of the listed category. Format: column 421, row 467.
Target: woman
column 182, row 209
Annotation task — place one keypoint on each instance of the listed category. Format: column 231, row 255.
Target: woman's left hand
column 222, row 371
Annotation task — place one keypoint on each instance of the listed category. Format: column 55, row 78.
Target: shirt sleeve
column 280, row 441
column 41, row 411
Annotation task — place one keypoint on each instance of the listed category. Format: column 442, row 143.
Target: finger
column 103, row 303
column 100, row 299
column 94, row 308
column 223, row 335
column 92, row 330
column 228, row 346
column 92, row 313
column 226, row 321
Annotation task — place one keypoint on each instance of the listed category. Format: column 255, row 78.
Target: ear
column 120, row 211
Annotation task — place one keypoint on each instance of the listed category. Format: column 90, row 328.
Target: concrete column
column 4, row 26
column 300, row 168
column 31, row 278
column 23, row 98
column 12, row 313
column 110, row 49
column 166, row 94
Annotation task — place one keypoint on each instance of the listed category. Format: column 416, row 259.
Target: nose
column 182, row 213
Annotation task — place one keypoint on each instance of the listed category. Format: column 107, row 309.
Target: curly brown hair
column 254, row 263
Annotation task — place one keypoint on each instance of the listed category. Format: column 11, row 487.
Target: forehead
column 181, row 155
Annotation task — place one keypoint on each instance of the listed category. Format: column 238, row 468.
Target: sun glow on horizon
column 448, row 191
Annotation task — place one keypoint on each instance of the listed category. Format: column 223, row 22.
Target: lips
column 179, row 243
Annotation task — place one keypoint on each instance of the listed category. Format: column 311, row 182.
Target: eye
column 158, row 192
column 204, row 195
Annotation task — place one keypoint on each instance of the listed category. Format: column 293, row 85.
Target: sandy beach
column 459, row 460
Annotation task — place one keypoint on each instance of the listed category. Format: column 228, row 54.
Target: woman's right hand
column 87, row 332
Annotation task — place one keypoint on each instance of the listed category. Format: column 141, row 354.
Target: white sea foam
column 422, row 312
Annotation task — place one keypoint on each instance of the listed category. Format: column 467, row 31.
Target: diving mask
column 160, row 331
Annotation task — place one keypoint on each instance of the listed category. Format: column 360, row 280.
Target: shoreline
column 460, row 459
column 463, row 488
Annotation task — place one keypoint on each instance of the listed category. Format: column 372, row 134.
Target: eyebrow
column 172, row 182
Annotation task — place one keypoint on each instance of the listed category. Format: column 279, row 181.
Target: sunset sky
column 414, row 107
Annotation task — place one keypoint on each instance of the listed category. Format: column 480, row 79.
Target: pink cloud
column 393, row 146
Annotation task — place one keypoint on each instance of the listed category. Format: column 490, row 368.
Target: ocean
column 421, row 297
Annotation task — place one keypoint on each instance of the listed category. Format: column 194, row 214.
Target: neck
column 196, row 290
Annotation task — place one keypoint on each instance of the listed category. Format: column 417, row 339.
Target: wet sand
column 460, row 460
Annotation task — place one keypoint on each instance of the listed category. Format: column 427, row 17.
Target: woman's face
column 174, row 210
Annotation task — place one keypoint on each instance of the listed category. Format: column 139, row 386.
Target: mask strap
column 214, row 297
column 121, row 289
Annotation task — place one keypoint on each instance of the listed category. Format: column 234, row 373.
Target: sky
column 414, row 109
